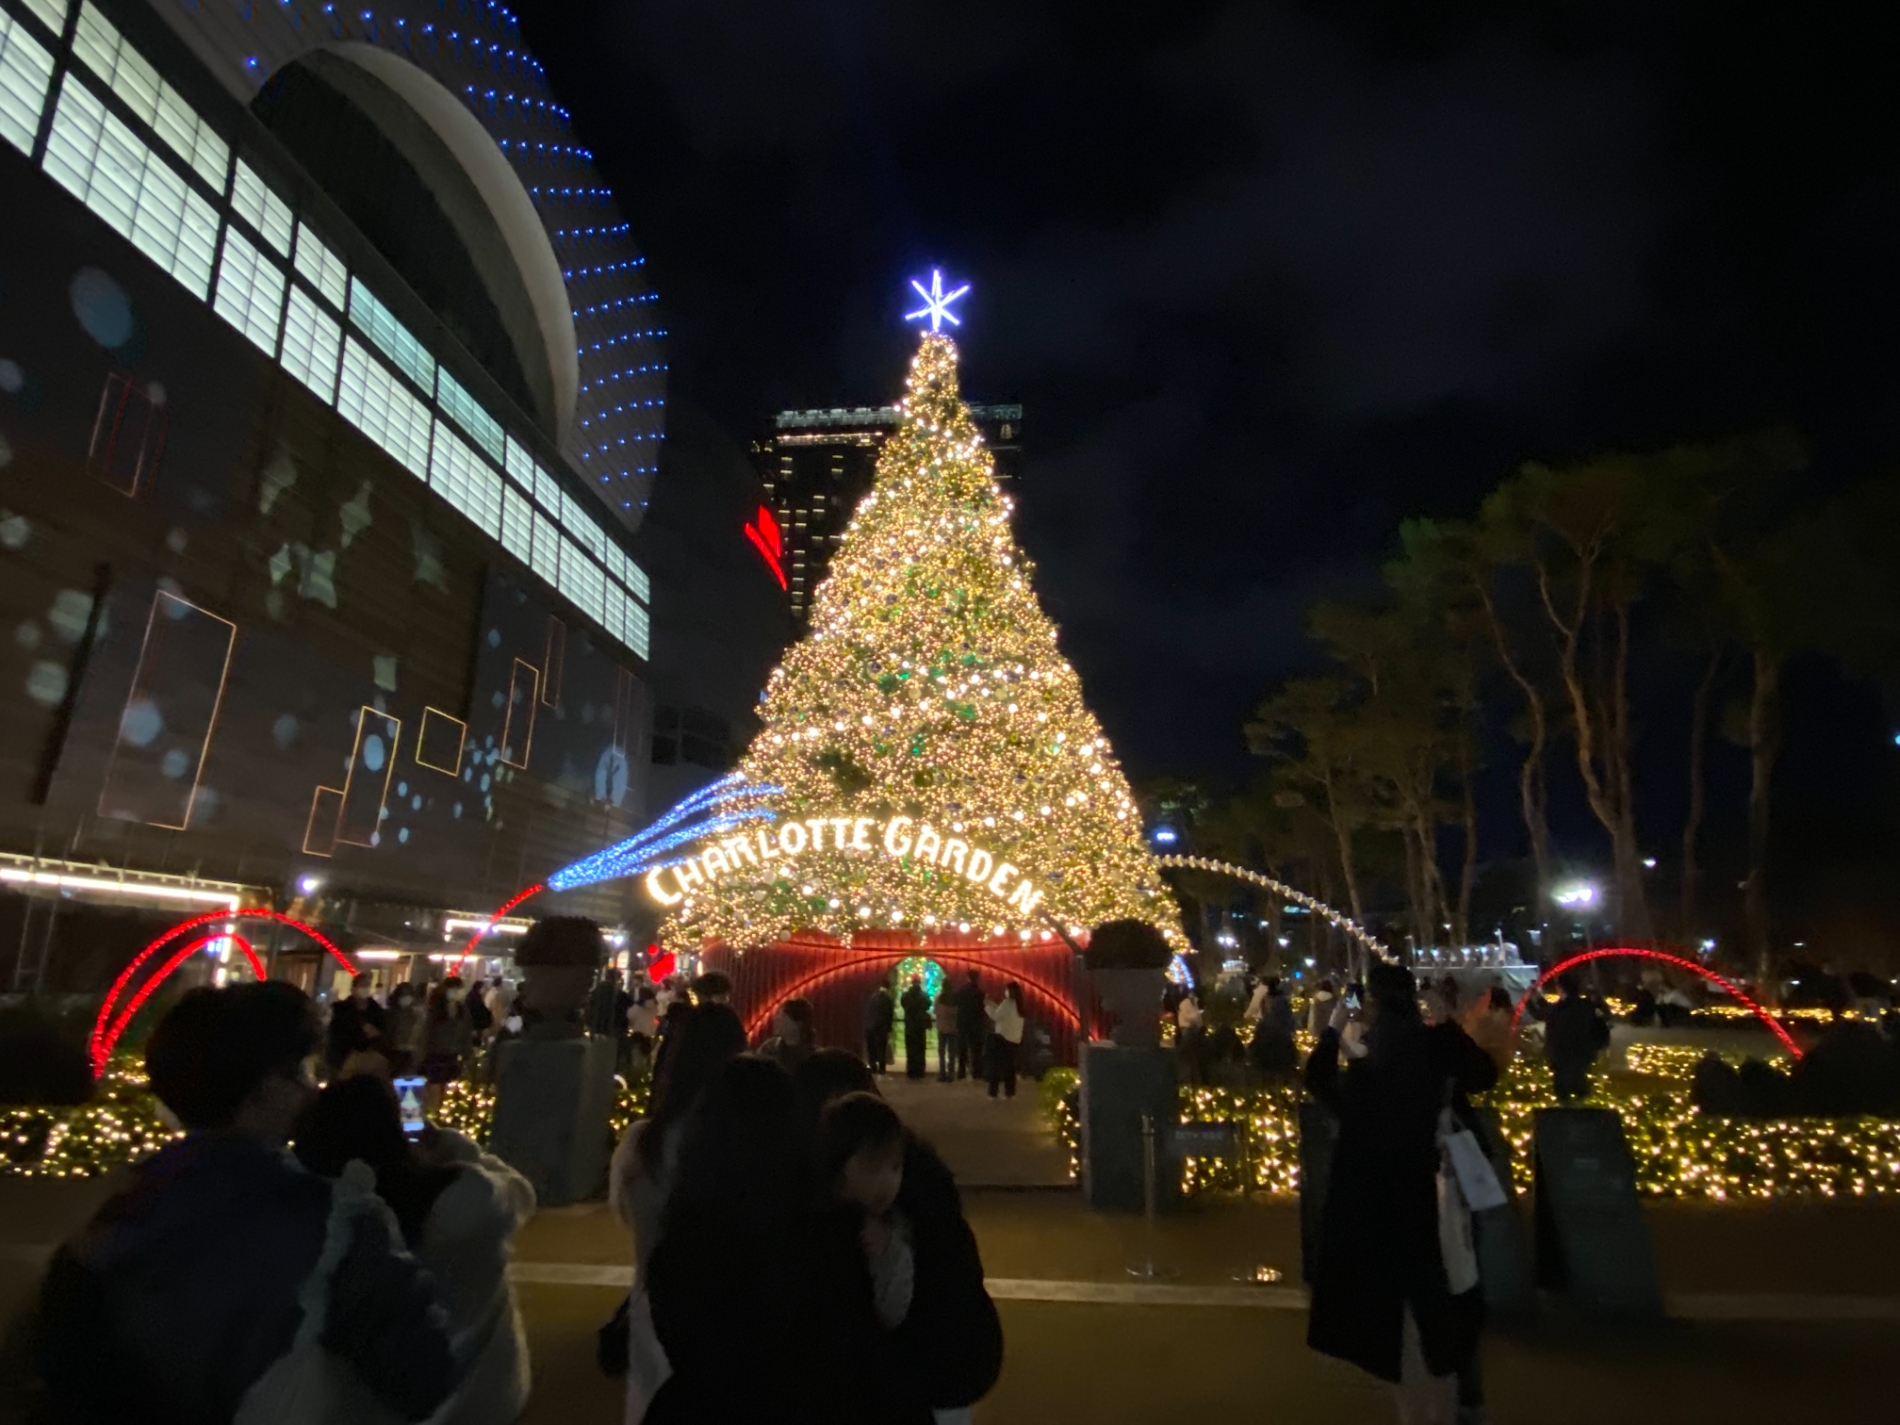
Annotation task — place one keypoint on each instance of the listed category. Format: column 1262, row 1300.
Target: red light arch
column 106, row 1030
column 1676, row 960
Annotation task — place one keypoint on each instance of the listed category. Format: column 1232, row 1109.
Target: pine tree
column 939, row 770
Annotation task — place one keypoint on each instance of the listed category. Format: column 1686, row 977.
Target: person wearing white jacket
column 458, row 1209
column 1006, row 1034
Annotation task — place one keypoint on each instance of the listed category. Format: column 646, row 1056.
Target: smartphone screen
column 409, row 1101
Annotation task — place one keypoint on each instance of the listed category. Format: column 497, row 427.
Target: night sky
column 1267, row 277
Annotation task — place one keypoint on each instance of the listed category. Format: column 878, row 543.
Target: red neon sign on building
column 765, row 539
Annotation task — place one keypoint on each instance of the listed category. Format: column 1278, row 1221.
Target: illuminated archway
column 1352, row 928
column 1676, row 960
column 106, row 1028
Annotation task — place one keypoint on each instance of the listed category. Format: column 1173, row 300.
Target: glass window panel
column 637, row 629
column 250, row 292
column 467, row 412
column 321, row 268
column 465, row 480
column 374, row 400
column 637, row 581
column 26, row 68
column 520, row 465
column 50, row 13
column 547, row 549
column 154, row 101
column 517, row 524
column 312, row 340
column 131, row 187
column 547, row 492
column 253, row 201
column 399, row 344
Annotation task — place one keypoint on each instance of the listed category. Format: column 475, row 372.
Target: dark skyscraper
column 817, row 465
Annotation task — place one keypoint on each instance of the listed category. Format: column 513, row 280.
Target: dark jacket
column 183, row 1289
column 949, row 1346
column 917, row 1015
column 880, row 1012
column 775, row 1327
column 1575, row 1030
column 1379, row 1227
column 973, row 1021
column 349, row 1029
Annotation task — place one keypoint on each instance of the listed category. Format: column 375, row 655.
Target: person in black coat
column 917, row 1020
column 761, row 1299
column 1379, row 1257
column 973, row 1027
column 356, row 1023
column 880, row 1013
column 948, row 1351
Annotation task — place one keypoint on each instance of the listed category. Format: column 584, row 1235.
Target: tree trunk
column 1414, row 892
column 1688, row 912
column 1764, row 745
column 1602, row 750
column 1531, row 791
column 1467, row 874
column 1343, row 834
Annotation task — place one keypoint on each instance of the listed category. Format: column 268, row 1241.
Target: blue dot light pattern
column 473, row 48
column 728, row 803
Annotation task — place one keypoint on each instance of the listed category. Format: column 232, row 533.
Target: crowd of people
column 302, row 1254
column 977, row 1037
column 362, row 1278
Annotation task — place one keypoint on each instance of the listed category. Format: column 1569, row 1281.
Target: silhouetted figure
column 916, row 1028
column 1575, row 1031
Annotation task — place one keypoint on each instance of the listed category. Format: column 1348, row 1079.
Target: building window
column 517, row 524
column 465, row 480
column 25, row 70
column 250, row 291
column 312, row 341
column 321, row 268
column 376, row 403
column 268, row 215
column 369, row 316
column 467, row 412
column 547, row 550
column 135, row 191
column 151, row 99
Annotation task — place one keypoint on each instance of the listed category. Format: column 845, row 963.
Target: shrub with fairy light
column 1679, row 1152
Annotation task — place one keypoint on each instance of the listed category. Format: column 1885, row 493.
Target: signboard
column 1592, row 1242
column 901, row 838
column 1205, row 1140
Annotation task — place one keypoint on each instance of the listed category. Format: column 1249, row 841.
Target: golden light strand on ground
column 931, row 687
column 1678, row 1152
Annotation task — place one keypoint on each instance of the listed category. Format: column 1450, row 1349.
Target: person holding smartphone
column 459, row 1210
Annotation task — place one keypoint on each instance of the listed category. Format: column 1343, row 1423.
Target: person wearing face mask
column 224, row 1268
column 357, row 1024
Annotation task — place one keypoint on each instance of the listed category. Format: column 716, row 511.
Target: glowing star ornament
column 936, row 302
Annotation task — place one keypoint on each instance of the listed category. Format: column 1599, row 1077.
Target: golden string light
column 931, row 687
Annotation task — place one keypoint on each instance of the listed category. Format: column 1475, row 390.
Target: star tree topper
column 936, row 302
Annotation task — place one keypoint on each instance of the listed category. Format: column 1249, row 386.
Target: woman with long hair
column 459, row 1209
column 1383, row 1297
column 641, row 1178
column 761, row 1296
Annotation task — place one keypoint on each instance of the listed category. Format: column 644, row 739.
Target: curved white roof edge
column 514, row 212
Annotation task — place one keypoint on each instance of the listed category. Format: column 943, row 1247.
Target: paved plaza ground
column 1780, row 1312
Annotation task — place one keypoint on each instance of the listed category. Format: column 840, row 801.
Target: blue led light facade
column 473, row 49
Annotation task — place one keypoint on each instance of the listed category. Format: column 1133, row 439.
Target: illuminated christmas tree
column 939, row 770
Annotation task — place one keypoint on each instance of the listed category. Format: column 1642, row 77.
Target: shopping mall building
column 332, row 399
